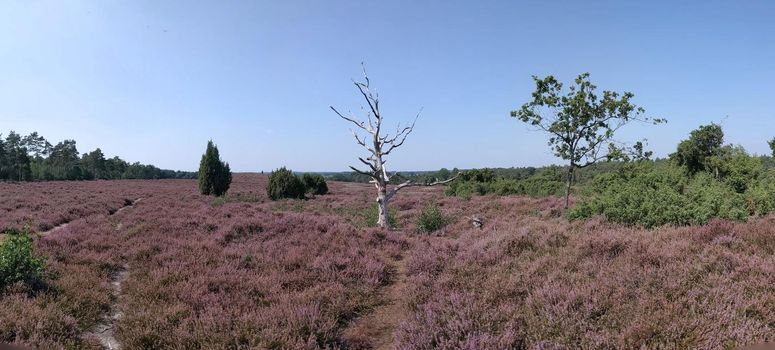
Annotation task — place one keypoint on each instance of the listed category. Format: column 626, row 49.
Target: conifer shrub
column 314, row 184
column 284, row 184
column 214, row 174
column 18, row 262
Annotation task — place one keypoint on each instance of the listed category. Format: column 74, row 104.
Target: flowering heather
column 245, row 272
column 44, row 205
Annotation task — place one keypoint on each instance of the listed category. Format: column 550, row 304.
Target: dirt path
column 55, row 228
column 104, row 330
column 376, row 330
column 127, row 206
column 63, row 225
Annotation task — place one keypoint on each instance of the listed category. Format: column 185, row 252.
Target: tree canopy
column 33, row 158
column 581, row 125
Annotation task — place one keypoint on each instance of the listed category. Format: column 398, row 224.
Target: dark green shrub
column 18, row 262
column 652, row 197
column 431, row 219
column 315, row 184
column 214, row 175
column 739, row 170
column 478, row 175
column 283, row 184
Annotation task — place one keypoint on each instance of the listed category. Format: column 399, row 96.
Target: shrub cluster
column 479, row 182
column 284, row 184
column 431, row 219
column 18, row 263
column 649, row 194
column 315, row 184
column 214, row 174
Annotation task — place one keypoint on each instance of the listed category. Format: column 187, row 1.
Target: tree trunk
column 568, row 185
column 382, row 205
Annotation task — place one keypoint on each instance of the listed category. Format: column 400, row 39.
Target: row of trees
column 33, row 158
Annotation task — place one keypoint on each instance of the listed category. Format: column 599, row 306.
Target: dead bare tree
column 379, row 147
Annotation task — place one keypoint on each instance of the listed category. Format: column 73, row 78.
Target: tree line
column 33, row 158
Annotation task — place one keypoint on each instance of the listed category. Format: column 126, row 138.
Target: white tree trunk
column 379, row 146
column 382, row 206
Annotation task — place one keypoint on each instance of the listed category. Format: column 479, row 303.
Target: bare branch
column 410, row 183
column 357, row 123
column 403, row 134
column 361, row 171
column 373, row 169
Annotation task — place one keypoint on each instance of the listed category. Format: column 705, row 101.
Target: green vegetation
column 580, row 124
column 236, row 198
column 18, row 263
column 214, row 174
column 33, row 158
column 702, row 180
column 431, row 219
column 284, row 184
column 371, row 216
column 546, row 182
column 314, row 184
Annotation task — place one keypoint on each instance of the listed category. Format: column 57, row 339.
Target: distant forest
column 33, row 158
column 514, row 173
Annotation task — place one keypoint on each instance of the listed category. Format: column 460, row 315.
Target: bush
column 648, row 196
column 536, row 186
column 214, row 175
column 431, row 219
column 18, row 262
column 283, row 184
column 315, row 184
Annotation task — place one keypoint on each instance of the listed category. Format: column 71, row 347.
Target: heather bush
column 314, row 184
column 284, row 184
column 246, row 275
column 18, row 262
column 431, row 219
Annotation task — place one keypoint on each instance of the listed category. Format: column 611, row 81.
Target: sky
column 152, row 81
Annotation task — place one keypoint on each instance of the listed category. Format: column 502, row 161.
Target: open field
column 183, row 271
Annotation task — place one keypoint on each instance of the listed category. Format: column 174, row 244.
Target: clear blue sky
column 152, row 81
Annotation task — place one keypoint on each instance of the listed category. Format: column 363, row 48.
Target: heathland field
column 149, row 264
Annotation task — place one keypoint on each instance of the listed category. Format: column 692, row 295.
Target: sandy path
column 376, row 330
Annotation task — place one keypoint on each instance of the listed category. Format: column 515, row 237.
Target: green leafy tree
column 3, row 160
column 696, row 154
column 64, row 161
column 284, row 184
column 94, row 164
column 771, row 143
column 36, row 145
column 581, row 125
column 214, row 174
column 17, row 159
